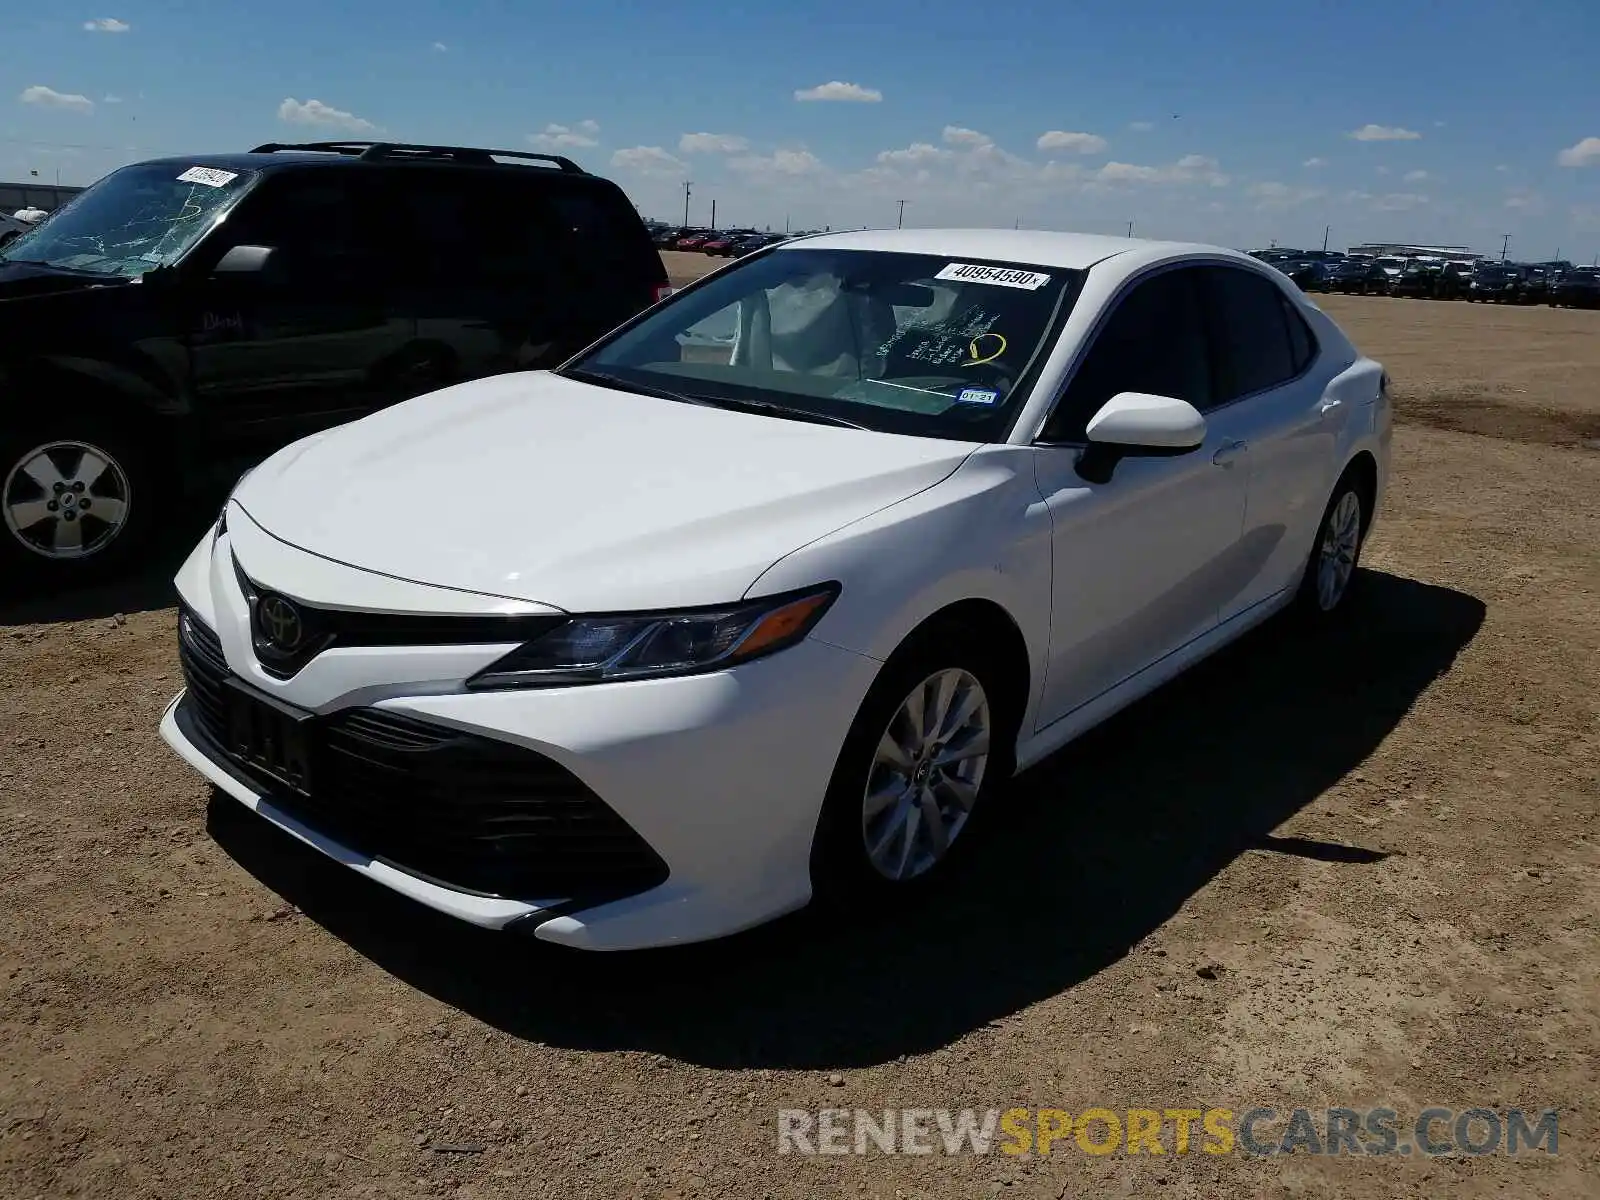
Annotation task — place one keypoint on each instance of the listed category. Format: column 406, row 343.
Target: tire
column 843, row 870
column 1332, row 569
column 78, row 500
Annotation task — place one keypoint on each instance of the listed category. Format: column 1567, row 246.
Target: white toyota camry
column 765, row 595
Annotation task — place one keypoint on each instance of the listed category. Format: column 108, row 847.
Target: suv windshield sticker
column 209, row 176
column 1002, row 276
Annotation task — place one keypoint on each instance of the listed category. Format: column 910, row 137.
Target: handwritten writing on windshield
column 946, row 343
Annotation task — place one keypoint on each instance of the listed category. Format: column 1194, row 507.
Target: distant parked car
column 1415, row 280
column 1577, row 288
column 693, row 240
column 1355, row 276
column 1495, row 283
column 11, row 228
column 1535, row 285
column 721, row 245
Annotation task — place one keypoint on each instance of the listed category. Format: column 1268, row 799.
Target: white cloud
column 1525, row 200
column 1585, row 153
column 712, row 143
column 916, row 154
column 1382, row 171
column 1078, row 143
column 1415, row 176
column 109, row 99
column 955, row 135
column 1142, row 126
column 836, row 90
column 1273, row 194
column 440, row 47
column 107, row 25
column 1399, row 201
column 323, row 116
column 647, row 160
column 780, row 162
column 1384, row 133
column 1315, row 162
column 1192, row 168
column 563, row 137
column 1502, row 168
column 46, row 97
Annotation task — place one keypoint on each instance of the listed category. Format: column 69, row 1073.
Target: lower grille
column 469, row 812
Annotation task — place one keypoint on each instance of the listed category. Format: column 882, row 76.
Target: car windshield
column 1391, row 263
column 133, row 220
column 901, row 343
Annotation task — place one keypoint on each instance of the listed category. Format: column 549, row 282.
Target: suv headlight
column 611, row 647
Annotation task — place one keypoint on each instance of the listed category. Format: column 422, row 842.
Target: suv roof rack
column 405, row 151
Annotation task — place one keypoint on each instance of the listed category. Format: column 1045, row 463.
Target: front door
column 324, row 334
column 1141, row 563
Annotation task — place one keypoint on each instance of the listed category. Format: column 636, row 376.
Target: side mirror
column 245, row 260
column 1139, row 425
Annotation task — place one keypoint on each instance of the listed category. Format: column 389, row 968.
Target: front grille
column 321, row 628
column 465, row 811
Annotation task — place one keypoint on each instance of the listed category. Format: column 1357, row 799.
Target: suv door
column 320, row 336
column 1271, row 398
column 1141, row 563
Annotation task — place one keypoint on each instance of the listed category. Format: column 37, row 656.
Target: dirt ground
column 1358, row 873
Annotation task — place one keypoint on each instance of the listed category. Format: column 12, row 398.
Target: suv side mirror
column 1139, row 425
column 245, row 260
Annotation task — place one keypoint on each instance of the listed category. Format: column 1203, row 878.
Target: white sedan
column 765, row 595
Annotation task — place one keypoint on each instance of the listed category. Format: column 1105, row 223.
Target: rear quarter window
column 601, row 227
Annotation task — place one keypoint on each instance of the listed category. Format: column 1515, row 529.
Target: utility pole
column 1326, row 229
column 1130, row 228
column 1503, row 245
column 686, row 193
column 900, row 221
column 1017, row 224
column 713, row 212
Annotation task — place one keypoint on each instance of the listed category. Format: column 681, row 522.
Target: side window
column 1302, row 342
column 475, row 229
column 1154, row 341
column 593, row 225
column 1252, row 331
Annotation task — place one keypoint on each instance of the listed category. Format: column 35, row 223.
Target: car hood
column 19, row 280
column 539, row 488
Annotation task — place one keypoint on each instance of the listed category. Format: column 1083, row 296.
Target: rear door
column 1271, row 401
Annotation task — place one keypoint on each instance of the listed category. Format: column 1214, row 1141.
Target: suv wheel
column 73, row 502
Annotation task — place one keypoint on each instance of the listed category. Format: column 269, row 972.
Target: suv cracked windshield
column 898, row 343
column 132, row 221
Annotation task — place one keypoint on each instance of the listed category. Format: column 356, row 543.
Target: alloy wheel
column 1336, row 556
column 925, row 774
column 66, row 499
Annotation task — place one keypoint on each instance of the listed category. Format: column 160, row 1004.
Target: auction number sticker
column 209, row 176
column 1000, row 276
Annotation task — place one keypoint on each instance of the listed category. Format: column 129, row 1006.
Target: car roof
column 310, row 158
column 1045, row 248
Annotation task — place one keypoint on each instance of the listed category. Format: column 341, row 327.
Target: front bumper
column 720, row 776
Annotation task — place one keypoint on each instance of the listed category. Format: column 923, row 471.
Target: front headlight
column 609, row 648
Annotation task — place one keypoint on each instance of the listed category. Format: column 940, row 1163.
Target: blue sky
column 1239, row 122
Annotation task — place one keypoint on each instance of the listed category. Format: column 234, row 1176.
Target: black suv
column 184, row 310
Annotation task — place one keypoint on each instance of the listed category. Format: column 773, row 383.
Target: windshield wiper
column 766, row 407
column 606, row 379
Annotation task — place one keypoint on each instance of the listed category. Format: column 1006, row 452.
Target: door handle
column 1328, row 406
column 1227, row 453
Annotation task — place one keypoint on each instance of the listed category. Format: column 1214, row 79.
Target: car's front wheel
column 73, row 501
column 1331, row 571
column 930, row 744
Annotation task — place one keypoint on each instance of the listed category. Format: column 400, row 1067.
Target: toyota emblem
column 281, row 626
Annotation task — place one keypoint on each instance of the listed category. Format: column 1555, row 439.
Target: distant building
column 48, row 196
column 1400, row 250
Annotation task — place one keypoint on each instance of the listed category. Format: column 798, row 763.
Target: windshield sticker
column 1030, row 281
column 977, row 396
column 209, row 176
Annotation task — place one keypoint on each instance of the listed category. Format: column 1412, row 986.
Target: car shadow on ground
column 1104, row 842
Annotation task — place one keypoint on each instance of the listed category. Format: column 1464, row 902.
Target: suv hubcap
column 925, row 774
column 66, row 499
column 1336, row 562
